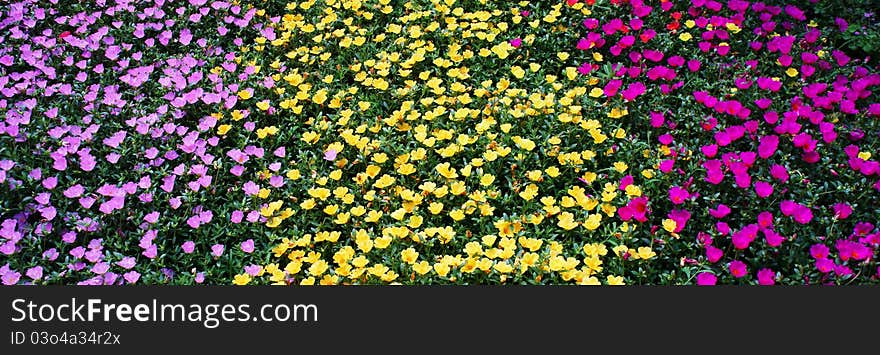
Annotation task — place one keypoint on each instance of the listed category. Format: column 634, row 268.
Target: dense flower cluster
column 429, row 142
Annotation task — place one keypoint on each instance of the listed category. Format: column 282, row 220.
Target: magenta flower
column 766, row 277
column 706, row 279
column 678, row 195
column 720, row 211
column 516, row 42
column 737, row 269
column 842, row 210
column 713, row 254
column 763, row 189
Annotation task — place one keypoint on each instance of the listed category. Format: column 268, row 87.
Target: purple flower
column 126, row 262
column 217, row 250
column 253, row 270
column 188, row 246
column 131, row 276
column 236, row 216
column 35, row 273
column 150, row 251
column 101, row 268
column 247, row 246
column 11, row 277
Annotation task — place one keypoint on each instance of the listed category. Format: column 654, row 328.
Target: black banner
column 418, row 319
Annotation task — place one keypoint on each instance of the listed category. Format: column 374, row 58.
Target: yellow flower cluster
column 420, row 126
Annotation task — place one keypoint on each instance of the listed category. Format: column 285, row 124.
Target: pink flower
column 713, row 254
column 842, row 210
column 803, row 214
column 819, row 251
column 193, row 221
column 763, row 189
column 217, row 250
column 74, row 191
column 706, row 279
column 126, row 263
column 666, row 165
column 35, row 273
column 11, row 278
column 250, row 188
column 825, row 265
column 131, row 276
column 766, row 277
column 738, row 269
column 188, row 246
column 678, row 195
column 709, row 150
column 151, row 251
column 745, row 236
column 330, row 154
column 765, row 219
column 773, row 239
column 680, row 217
column 152, row 217
column 516, row 42
column 236, row 216
column 767, row 146
column 720, row 211
column 779, row 172
column 657, row 119
column 247, row 246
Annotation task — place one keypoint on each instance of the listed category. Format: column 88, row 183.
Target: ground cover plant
column 437, row 142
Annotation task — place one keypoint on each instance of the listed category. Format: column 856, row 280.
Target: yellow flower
column 422, row 267
column 409, row 255
column 517, row 72
column 566, row 221
column 263, row 105
column 593, row 221
column 446, row 171
column 530, row 192
column 684, row 36
column 792, row 72
column 614, row 280
column 320, row 96
column 242, row 279
column 318, row 268
column 441, row 269
column 646, row 253
column 503, row 267
column 487, row 179
column 669, row 225
column 435, row 207
column 245, row 94
column 222, row 129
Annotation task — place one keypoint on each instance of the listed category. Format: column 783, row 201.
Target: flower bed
column 434, row 142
